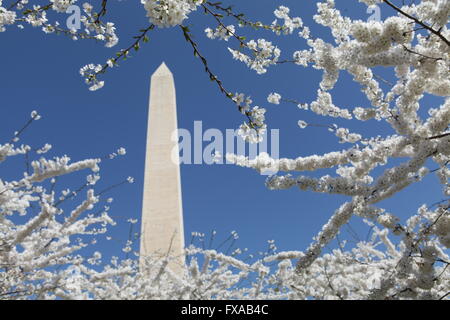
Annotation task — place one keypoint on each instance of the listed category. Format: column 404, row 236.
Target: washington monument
column 162, row 217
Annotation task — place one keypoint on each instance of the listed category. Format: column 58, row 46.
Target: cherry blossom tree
column 40, row 233
column 400, row 261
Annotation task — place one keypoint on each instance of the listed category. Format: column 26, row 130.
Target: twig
column 212, row 76
column 102, row 11
column 439, row 136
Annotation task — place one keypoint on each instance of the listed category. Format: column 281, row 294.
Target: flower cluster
column 62, row 5
column 243, row 102
column 100, row 31
column 37, row 17
column 89, row 72
column 221, row 32
column 274, row 98
column 264, row 55
column 253, row 131
column 169, row 13
column 6, row 17
column 324, row 106
column 290, row 24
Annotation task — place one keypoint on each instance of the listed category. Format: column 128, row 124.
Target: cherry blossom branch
column 112, row 187
column 12, row 6
column 216, row 16
column 34, row 116
column 212, row 76
column 430, row 29
column 102, row 12
column 38, row 9
column 420, row 54
column 240, row 17
column 122, row 54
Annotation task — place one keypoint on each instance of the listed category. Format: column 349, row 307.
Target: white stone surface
column 162, row 218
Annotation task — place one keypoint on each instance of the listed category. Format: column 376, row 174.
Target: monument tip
column 162, row 70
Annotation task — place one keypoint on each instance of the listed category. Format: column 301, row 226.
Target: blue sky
column 40, row 72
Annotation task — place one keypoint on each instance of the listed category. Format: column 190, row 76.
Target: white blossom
column 274, row 98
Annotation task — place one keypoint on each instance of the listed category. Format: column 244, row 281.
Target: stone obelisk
column 162, row 231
